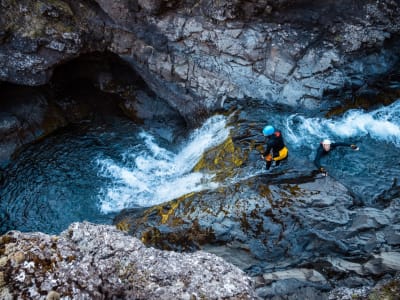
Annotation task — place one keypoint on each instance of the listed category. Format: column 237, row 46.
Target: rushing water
column 367, row 172
column 147, row 173
column 90, row 171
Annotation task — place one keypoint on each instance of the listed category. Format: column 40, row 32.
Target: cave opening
column 61, row 142
column 93, row 86
column 102, row 82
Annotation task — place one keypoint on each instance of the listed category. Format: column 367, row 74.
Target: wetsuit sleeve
column 317, row 160
column 334, row 145
column 269, row 147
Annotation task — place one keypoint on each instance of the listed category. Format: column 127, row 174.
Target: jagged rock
column 100, row 262
column 384, row 289
column 299, row 274
column 195, row 57
column 282, row 220
column 258, row 214
column 290, row 52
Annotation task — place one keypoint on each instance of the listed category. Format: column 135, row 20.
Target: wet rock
column 299, row 274
column 27, row 115
column 95, row 261
column 196, row 56
column 384, row 261
column 282, row 221
column 292, row 283
column 261, row 216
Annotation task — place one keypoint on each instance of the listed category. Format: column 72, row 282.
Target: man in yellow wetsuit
column 276, row 144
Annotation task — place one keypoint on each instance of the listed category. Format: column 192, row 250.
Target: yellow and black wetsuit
column 279, row 150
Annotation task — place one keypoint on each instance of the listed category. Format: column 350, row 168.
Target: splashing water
column 382, row 124
column 149, row 174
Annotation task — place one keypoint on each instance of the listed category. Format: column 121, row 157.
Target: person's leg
column 269, row 161
column 283, row 155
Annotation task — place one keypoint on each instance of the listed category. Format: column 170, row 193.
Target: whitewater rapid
column 382, row 124
column 147, row 173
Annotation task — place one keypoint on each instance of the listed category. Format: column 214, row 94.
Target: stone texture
column 290, row 52
column 195, row 56
column 90, row 261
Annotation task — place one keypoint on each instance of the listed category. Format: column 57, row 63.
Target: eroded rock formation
column 199, row 53
column 192, row 56
column 196, row 54
column 99, row 262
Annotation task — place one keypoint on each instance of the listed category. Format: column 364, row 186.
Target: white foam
column 382, row 124
column 149, row 174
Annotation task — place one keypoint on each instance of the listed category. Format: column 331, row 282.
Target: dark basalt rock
column 195, row 56
column 191, row 57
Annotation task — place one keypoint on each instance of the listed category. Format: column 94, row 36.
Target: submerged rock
column 90, row 261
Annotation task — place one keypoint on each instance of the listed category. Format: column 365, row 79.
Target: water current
column 92, row 170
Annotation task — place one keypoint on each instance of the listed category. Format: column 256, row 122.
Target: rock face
column 298, row 234
column 99, row 262
column 195, row 55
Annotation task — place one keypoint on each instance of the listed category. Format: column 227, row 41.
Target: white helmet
column 326, row 142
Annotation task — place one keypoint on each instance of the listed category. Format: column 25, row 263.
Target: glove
column 354, row 147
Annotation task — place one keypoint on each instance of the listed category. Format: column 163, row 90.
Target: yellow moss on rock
column 165, row 216
column 123, row 225
column 224, row 159
column 166, row 211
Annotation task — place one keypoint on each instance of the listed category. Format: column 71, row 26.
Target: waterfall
column 149, row 173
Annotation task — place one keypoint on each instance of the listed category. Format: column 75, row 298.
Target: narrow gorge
column 131, row 134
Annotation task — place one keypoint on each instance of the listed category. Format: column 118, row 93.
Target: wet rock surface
column 99, row 262
column 195, row 56
column 297, row 233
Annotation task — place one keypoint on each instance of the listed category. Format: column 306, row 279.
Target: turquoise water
column 92, row 170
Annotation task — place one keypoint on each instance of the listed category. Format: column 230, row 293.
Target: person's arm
column 340, row 144
column 268, row 150
column 353, row 146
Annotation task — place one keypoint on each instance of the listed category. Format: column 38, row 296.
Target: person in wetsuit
column 324, row 148
column 274, row 144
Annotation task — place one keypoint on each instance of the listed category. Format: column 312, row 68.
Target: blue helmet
column 268, row 130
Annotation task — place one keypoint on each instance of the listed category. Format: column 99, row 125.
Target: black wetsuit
column 321, row 152
column 275, row 143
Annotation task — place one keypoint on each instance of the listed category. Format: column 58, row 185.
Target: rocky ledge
column 100, row 262
column 194, row 55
